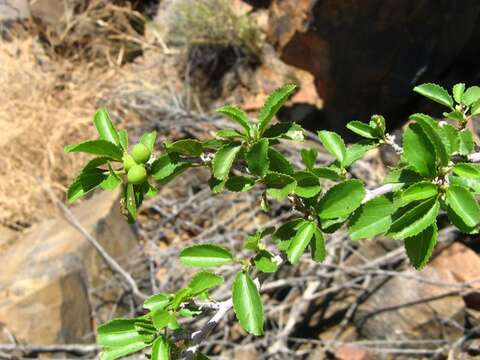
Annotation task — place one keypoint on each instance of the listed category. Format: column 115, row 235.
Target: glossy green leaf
column 223, row 160
column 118, row 333
column 228, row 134
column 257, row 158
column 309, row 157
column 157, row 301
column 265, row 262
column 105, row 128
column 131, row 203
column 402, row 175
column 189, row 147
column 420, row 247
column 416, row 192
column 300, row 241
column 450, row 137
column 205, row 256
column 331, row 172
column 252, row 242
column 160, row 349
column 471, row 95
column 273, row 103
column 238, row 116
column 148, row 139
column 279, row 185
column 240, row 183
column 371, row 219
column 357, row 151
column 475, row 109
column 436, row 93
column 334, row 144
column 308, row 184
column 123, row 139
column 457, row 91
column 167, row 167
column 454, row 115
column 459, row 223
column 341, row 200
column 247, row 304
column 179, row 297
column 145, row 328
column 111, row 182
column 464, row 204
column 279, row 163
column 97, row 147
column 377, row 122
column 431, row 128
column 161, row 318
column 216, row 185
column 419, row 151
column 472, row 184
column 466, row 144
column 122, row 351
column 284, row 130
column 415, row 220
column 204, row 281
column 285, row 233
column 317, row 246
column 84, row 183
column 467, row 170
column 362, row 129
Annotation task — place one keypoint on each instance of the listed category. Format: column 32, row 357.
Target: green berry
column 140, row 154
column 128, row 161
column 137, row 174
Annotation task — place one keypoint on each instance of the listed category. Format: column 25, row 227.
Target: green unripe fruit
column 140, row 154
column 128, row 161
column 137, row 174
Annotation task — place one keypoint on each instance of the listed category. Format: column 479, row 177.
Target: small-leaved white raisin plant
column 436, row 174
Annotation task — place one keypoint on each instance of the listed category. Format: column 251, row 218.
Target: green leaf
column 471, row 95
column 118, row 333
column 403, row 175
column 308, row 184
column 433, row 132
column 84, row 183
column 309, row 157
column 157, row 301
column 341, row 200
column 238, row 116
column 436, row 93
column 247, row 304
column 372, row 219
column 111, row 182
column 454, row 115
column 357, row 151
column 257, row 158
column 97, row 147
column 264, row 262
column 415, row 220
column 331, row 172
column 472, row 184
column 450, row 137
column 105, row 128
column 274, row 102
column 145, row 328
column 300, row 241
column 463, row 203
column 285, row 233
column 459, row 223
column 223, row 160
column 279, row 186
column 475, row 109
column 284, row 130
column 119, row 352
column 457, row 91
column 148, row 139
column 465, row 144
column 278, row 162
column 334, row 144
column 161, row 318
column 131, row 203
column 204, row 281
column 240, row 183
column 419, row 191
column 362, row 129
column 467, row 170
column 419, row 151
column 329, row 226
column 420, row 247
column 216, row 185
column 253, row 240
column 228, row 134
column 317, row 246
column 123, row 139
column 377, row 122
column 205, row 256
column 160, row 349
column 189, row 147
column 166, row 166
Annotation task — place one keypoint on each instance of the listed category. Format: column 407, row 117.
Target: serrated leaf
column 415, row 220
column 467, row 170
column 362, row 129
column 308, row 184
column 403, row 175
column 471, row 95
column 334, row 144
column 228, row 134
column 180, row 296
column 309, row 157
column 273, row 103
column 464, row 204
column 436, row 93
column 450, row 137
column 97, row 147
column 419, row 151
column 205, row 256
column 372, row 219
column 160, row 349
column 223, row 160
column 300, row 241
column 166, row 166
column 420, row 247
column 466, row 144
column 284, row 130
column 265, row 262
column 161, row 318
column 279, row 163
column 257, row 158
column 459, row 223
column 204, row 281
column 454, row 115
column 317, row 246
column 416, row 192
column 279, row 185
column 148, row 139
column 329, row 226
column 457, row 91
column 341, row 200
column 119, row 352
column 84, row 183
column 253, row 240
column 432, row 130
column 331, row 172
column 105, row 128
column 157, row 301
column 472, row 184
column 247, row 304
column 189, row 147
column 118, row 333
column 238, row 116
column 240, row 183
column 285, row 233
column 357, row 151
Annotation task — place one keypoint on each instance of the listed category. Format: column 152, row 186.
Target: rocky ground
column 162, row 66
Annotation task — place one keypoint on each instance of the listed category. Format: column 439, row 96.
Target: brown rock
column 349, row 352
column 46, row 275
